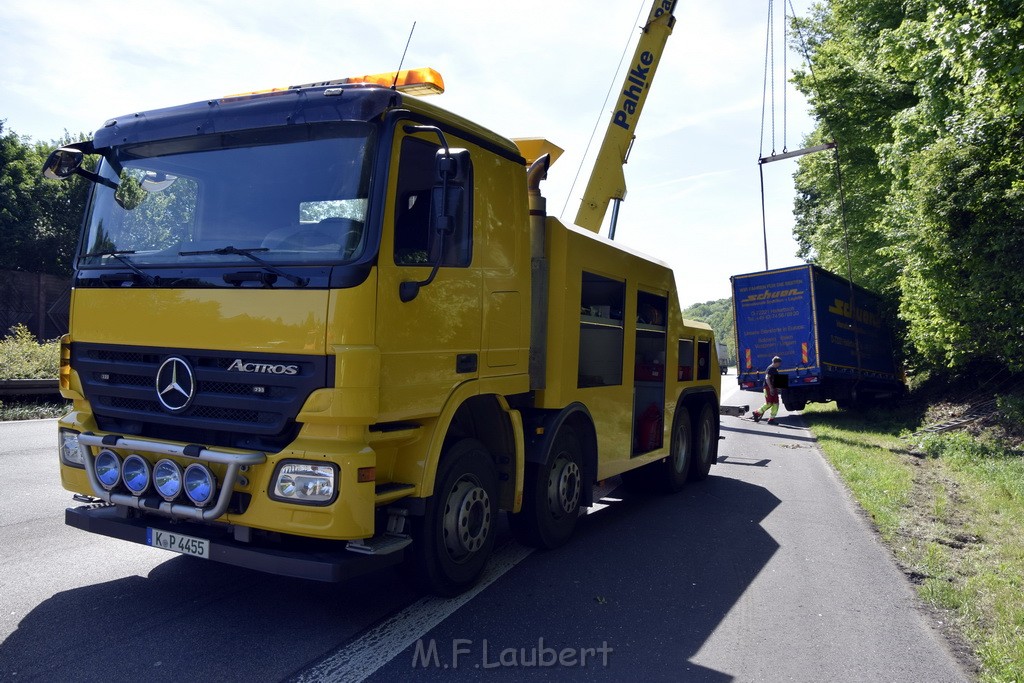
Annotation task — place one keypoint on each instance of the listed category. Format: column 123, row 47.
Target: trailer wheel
column 794, row 404
column 852, row 401
column 454, row 538
column 706, row 442
column 553, row 490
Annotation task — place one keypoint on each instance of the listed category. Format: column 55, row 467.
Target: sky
column 527, row 68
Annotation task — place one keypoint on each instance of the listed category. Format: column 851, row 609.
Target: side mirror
column 452, row 169
column 62, row 163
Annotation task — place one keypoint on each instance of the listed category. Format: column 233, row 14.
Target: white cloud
column 528, row 68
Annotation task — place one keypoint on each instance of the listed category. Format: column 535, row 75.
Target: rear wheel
column 676, row 467
column 705, row 444
column 554, row 489
column 669, row 474
column 454, row 538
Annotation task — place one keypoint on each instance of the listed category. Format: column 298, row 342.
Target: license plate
column 179, row 543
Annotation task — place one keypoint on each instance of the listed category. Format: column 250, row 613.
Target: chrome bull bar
column 234, row 462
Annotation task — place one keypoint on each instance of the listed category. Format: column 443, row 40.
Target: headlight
column 305, row 482
column 108, row 469
column 67, row 444
column 135, row 474
column 167, row 479
column 199, row 484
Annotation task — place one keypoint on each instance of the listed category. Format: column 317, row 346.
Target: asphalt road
column 764, row 572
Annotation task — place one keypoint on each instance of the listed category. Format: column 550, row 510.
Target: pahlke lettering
column 630, row 101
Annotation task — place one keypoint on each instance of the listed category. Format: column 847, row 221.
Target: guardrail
column 28, row 387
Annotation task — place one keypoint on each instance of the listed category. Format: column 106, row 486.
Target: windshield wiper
column 224, row 251
column 122, row 256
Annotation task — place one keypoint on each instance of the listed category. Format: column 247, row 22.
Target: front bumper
column 319, row 561
column 233, row 461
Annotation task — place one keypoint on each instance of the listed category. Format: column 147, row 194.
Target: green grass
column 860, row 447
column 951, row 508
column 32, row 409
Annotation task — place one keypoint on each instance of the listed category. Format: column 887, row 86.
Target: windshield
column 294, row 195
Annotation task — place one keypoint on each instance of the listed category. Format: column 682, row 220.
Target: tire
column 794, row 404
column 854, row 400
column 705, row 440
column 553, row 491
column 675, row 469
column 455, row 536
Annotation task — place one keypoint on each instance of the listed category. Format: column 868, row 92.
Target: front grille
column 229, row 408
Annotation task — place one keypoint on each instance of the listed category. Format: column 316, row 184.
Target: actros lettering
column 263, row 368
column 630, row 101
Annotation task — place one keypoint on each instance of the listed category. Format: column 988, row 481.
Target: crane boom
column 607, row 180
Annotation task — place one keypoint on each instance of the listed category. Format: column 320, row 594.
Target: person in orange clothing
column 771, row 393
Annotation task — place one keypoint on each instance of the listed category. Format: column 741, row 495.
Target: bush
column 22, row 357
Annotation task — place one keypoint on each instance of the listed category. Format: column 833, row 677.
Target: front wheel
column 455, row 536
column 554, row 489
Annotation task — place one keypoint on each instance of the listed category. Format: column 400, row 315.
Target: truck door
column 431, row 343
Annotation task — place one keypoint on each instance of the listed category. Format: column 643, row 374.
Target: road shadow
column 192, row 619
column 650, row 577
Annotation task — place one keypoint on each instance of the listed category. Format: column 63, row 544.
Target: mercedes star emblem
column 175, row 384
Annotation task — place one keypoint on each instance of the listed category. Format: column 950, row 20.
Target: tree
column 39, row 219
column 925, row 99
column 718, row 314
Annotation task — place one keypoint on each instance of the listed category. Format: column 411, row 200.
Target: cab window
column 417, row 243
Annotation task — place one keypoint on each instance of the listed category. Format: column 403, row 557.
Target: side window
column 703, row 360
column 417, row 242
column 685, row 360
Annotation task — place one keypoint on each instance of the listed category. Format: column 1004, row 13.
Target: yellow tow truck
column 329, row 328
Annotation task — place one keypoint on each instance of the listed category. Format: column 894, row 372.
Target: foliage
column 22, row 357
column 925, row 100
column 718, row 314
column 39, row 219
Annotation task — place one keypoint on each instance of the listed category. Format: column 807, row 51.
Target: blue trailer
column 832, row 336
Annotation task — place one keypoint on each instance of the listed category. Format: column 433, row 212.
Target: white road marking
column 359, row 659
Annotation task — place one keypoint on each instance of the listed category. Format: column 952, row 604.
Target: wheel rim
column 681, row 455
column 706, row 434
column 563, row 487
column 467, row 518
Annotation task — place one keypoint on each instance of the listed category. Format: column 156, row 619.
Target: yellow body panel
column 285, row 321
column 573, row 252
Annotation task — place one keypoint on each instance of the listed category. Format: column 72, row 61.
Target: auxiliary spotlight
column 135, row 474
column 167, row 479
column 108, row 469
column 199, row 484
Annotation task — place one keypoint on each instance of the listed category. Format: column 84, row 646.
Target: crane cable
column 601, row 116
column 839, row 188
column 769, row 66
